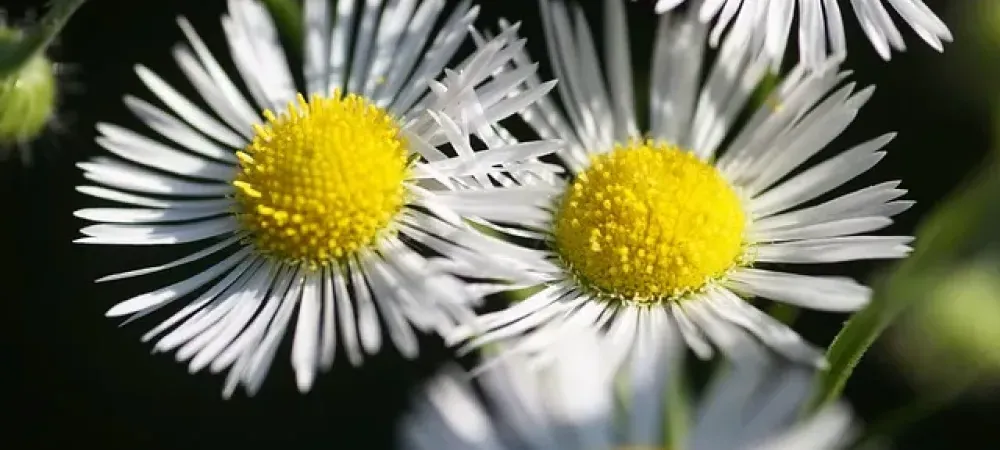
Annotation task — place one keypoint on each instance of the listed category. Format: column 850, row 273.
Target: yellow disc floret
column 649, row 222
column 322, row 180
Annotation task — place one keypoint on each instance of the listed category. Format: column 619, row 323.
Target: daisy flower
column 678, row 227
column 821, row 24
column 569, row 402
column 311, row 210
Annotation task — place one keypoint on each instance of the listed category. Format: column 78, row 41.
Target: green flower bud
column 27, row 95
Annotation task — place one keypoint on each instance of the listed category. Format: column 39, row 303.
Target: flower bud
column 27, row 95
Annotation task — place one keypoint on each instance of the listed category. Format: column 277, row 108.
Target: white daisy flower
column 675, row 227
column 570, row 403
column 313, row 212
column 821, row 24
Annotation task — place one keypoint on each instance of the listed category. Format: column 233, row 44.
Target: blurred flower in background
column 571, row 402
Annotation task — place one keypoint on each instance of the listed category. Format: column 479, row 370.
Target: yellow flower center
column 648, row 222
column 322, row 180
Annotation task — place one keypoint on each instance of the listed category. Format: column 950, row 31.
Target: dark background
column 81, row 379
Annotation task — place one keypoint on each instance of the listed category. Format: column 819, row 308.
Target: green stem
column 40, row 37
column 288, row 16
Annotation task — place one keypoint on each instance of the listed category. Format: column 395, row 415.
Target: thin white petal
column 820, row 293
column 170, row 293
column 305, row 344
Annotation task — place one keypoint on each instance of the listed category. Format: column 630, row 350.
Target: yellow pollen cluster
column 648, row 222
column 322, row 180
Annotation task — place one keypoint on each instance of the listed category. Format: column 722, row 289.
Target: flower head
column 821, row 24
column 324, row 206
column 569, row 402
column 676, row 227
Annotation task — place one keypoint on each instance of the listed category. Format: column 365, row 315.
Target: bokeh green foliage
column 954, row 332
column 952, row 337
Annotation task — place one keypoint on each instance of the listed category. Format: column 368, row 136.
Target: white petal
column 170, row 293
column 211, row 81
column 618, row 57
column 449, row 415
column 255, row 365
column 824, row 229
column 829, row 429
column 364, row 34
column 345, row 317
column 305, row 344
column 203, row 312
column 400, row 331
column 119, row 175
column 771, row 332
column 369, row 331
column 694, row 337
column 316, row 23
column 206, row 347
column 732, row 341
column 820, row 293
column 176, row 263
column 136, row 148
column 184, row 108
column 157, row 234
column 171, row 128
column 860, row 203
column 821, row 178
column 442, row 50
column 652, row 364
column 256, row 329
column 391, row 28
column 836, row 249
column 145, row 215
column 252, row 31
column 328, row 330
column 677, row 62
column 418, row 31
column 150, row 202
